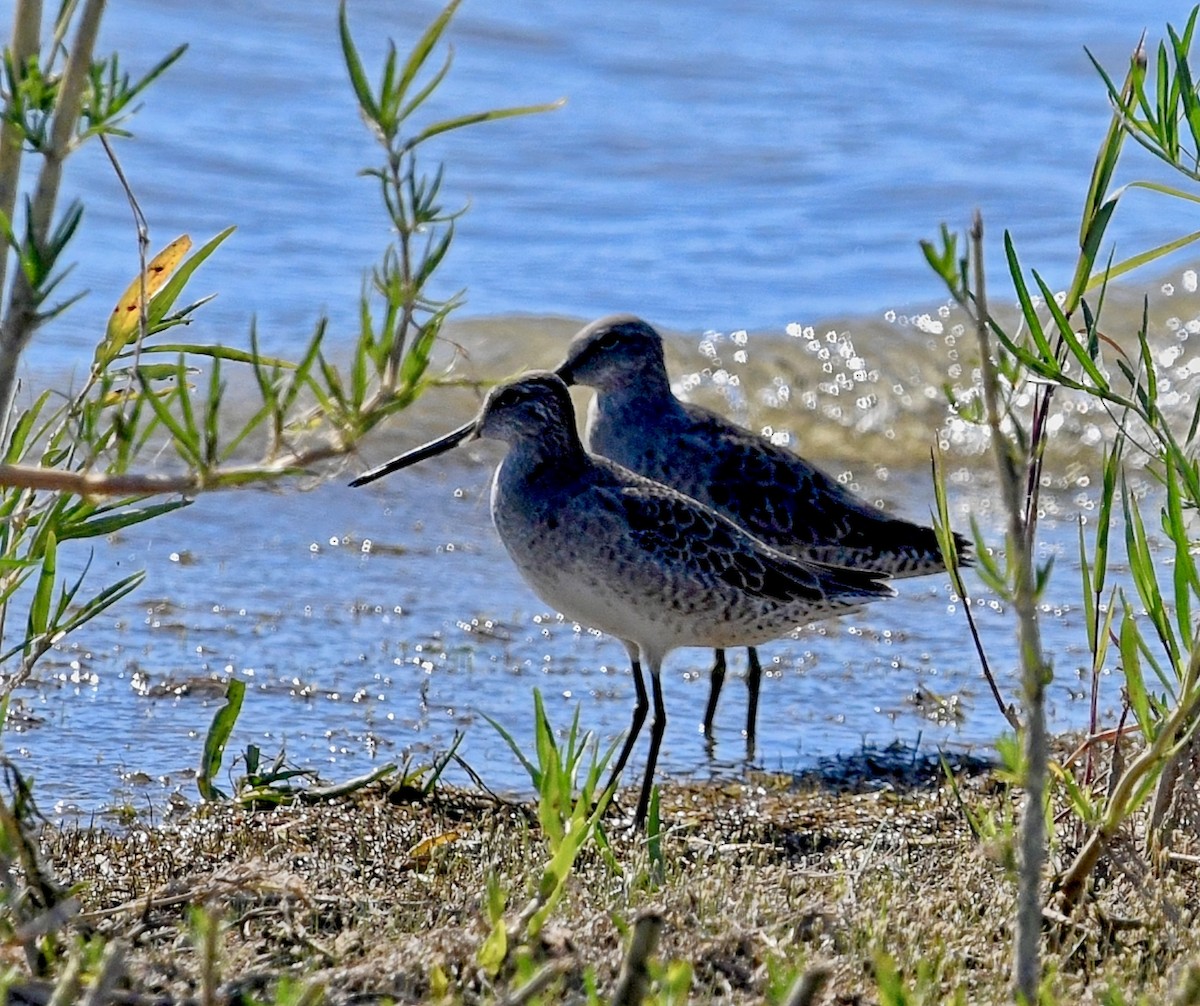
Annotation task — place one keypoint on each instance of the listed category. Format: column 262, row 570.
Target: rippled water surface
column 717, row 166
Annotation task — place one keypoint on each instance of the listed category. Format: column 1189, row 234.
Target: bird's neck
column 555, row 454
column 646, row 394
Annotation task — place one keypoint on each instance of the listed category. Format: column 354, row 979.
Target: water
column 717, row 166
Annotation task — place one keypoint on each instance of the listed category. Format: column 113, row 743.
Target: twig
column 1114, row 734
column 538, row 983
column 112, row 967
column 84, row 483
column 635, row 974
column 143, row 243
column 66, row 989
column 21, row 317
column 27, row 23
column 1075, row 877
column 96, row 483
column 1034, row 671
column 808, row 986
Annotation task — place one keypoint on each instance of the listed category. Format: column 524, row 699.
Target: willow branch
column 189, row 483
column 21, row 319
column 27, row 25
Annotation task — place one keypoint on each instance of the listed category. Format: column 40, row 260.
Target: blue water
column 716, row 166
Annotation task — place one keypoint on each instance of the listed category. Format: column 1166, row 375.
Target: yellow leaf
column 439, row 983
column 419, row 854
column 126, row 395
column 491, row 955
column 123, row 321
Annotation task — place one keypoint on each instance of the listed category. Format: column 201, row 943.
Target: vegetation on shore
column 394, row 887
column 884, row 892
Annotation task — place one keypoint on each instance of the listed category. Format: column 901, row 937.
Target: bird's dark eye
column 609, row 341
column 507, row 398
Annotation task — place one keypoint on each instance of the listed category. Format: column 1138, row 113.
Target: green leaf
column 420, row 52
column 1028, row 311
column 1141, row 259
column 944, row 262
column 1081, row 801
column 39, row 608
column 212, row 411
column 185, row 433
column 156, row 371
column 104, row 599
column 1067, row 334
column 461, row 121
column 1185, row 579
column 420, row 97
column 162, row 301
column 358, row 76
column 534, row 775
column 218, row 736
column 1187, row 89
column 113, row 522
column 20, row 433
column 494, row 950
column 219, row 353
column 1093, row 235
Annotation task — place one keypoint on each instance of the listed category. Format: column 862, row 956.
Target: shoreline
column 756, row 883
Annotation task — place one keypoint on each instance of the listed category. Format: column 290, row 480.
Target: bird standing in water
column 638, row 560
column 777, row 496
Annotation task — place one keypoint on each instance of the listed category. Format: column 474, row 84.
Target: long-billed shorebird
column 638, row 560
column 637, row 421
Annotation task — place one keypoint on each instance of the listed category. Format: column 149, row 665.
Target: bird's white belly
column 602, row 605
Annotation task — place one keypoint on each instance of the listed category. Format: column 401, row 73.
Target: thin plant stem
column 1032, row 840
column 21, row 318
column 27, row 23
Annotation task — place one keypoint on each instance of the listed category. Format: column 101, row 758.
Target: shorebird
column 636, row 420
column 628, row 556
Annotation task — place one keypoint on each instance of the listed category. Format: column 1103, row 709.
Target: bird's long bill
column 429, row 450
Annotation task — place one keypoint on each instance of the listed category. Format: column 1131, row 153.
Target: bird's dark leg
column 635, row 727
column 753, row 681
column 716, row 680
column 657, row 726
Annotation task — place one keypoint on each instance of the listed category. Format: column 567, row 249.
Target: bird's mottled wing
column 690, row 535
column 783, row 499
column 770, row 490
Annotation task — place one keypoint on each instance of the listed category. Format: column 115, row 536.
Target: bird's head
column 612, row 353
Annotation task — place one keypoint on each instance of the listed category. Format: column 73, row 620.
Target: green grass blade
column 535, row 776
column 186, row 439
column 1067, row 333
column 218, row 736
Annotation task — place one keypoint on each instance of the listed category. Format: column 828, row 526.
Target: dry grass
column 757, row 881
